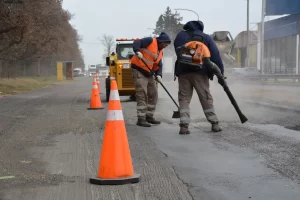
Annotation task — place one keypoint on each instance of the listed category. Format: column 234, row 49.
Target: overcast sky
column 132, row 18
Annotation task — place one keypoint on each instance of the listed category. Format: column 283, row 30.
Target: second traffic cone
column 95, row 101
column 115, row 167
column 98, row 83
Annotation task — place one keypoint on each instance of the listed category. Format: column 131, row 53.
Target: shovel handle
column 169, row 95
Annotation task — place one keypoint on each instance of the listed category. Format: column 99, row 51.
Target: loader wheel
column 132, row 97
column 107, row 95
column 107, row 87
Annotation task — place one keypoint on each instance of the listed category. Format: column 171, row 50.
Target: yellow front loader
column 120, row 68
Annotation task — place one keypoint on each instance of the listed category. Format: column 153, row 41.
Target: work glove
column 158, row 78
column 139, row 54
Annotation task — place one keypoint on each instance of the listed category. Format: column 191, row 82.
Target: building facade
column 281, row 45
column 242, row 49
column 281, row 38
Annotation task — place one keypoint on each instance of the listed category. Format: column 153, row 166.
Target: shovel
column 176, row 114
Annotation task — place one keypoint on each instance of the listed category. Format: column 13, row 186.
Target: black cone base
column 94, row 108
column 118, row 181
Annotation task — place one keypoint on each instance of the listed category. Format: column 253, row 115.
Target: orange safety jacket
column 151, row 56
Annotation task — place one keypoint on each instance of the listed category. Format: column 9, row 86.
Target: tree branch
column 8, row 29
column 14, row 42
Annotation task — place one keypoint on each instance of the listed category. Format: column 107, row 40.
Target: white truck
column 103, row 71
column 92, row 70
column 78, row 72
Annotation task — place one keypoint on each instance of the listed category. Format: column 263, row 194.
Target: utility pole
column 262, row 33
column 248, row 37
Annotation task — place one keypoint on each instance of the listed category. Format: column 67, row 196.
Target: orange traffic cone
column 115, row 167
column 95, row 101
column 98, row 83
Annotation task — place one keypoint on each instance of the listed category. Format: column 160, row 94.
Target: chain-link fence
column 25, row 68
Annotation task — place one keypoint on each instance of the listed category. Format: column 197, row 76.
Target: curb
column 282, row 108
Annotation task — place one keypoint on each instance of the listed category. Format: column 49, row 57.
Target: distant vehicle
column 168, row 68
column 77, row 72
column 92, row 70
column 103, row 71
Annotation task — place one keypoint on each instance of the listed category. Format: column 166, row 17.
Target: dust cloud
column 252, row 98
column 248, row 96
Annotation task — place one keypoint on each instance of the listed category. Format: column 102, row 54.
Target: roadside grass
column 19, row 85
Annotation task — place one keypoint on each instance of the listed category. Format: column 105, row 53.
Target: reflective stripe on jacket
column 151, row 56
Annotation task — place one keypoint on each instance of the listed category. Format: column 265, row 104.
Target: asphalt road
column 50, row 145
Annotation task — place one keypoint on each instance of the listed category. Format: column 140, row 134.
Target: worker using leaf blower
column 149, row 50
column 196, row 76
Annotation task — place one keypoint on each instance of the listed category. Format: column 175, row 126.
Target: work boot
column 143, row 122
column 184, row 129
column 215, row 127
column 152, row 120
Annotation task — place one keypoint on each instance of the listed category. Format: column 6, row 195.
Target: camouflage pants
column 187, row 82
column 146, row 94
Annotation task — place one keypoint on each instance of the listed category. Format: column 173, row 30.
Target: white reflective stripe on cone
column 95, row 86
column 113, row 115
column 114, row 95
column 112, row 78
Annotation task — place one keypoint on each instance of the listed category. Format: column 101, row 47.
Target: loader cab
column 120, row 68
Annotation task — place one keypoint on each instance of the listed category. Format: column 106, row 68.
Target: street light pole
column 188, row 10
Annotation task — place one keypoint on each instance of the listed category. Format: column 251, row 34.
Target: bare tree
column 36, row 30
column 104, row 56
column 108, row 42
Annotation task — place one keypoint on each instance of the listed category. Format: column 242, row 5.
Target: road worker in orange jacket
column 151, row 51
